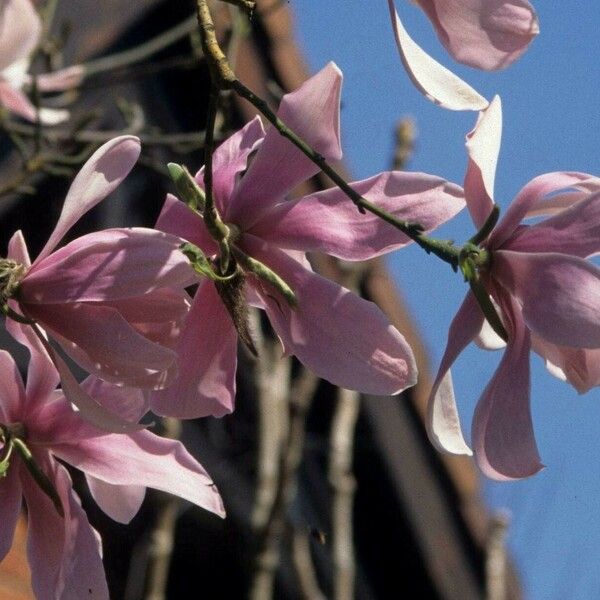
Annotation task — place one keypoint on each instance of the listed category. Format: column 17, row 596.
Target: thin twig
column 303, row 565
column 495, row 563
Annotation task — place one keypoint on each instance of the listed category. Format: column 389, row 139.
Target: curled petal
column 108, row 265
column 443, row 421
column 485, row 34
column 102, row 342
column 341, row 337
column 64, row 553
column 329, row 222
column 144, row 459
column 207, row 351
column 17, row 102
column 12, row 390
column 560, row 295
column 433, row 80
column 312, row 112
column 529, row 196
column 575, row 231
column 60, row 80
column 558, row 202
column 98, row 177
column 503, row 437
column 230, row 159
column 120, row 502
column 483, row 148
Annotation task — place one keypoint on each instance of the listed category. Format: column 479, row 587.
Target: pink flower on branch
column 341, row 337
column 545, row 293
column 38, row 427
column 20, row 31
column 113, row 299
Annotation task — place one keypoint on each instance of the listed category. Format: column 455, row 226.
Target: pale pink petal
column 89, row 409
column 10, row 508
column 98, row 177
column 60, row 80
column 433, row 80
column 176, row 218
column 20, row 29
column 341, row 337
column 12, row 391
column 108, row 265
column 560, row 295
column 532, row 193
column 488, row 339
column 16, row 101
column 329, row 222
column 230, row 159
column 443, row 420
column 574, row 231
column 207, row 351
column 483, row 148
column 503, row 438
column 129, row 403
column 120, row 502
column 558, row 202
column 486, row 34
column 102, row 342
column 579, row 366
column 157, row 315
column 144, row 459
column 312, row 112
column 64, row 554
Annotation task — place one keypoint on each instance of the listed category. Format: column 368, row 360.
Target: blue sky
column 551, row 112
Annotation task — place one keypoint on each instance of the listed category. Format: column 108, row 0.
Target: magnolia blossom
column 486, row 34
column 112, row 299
column 546, row 294
column 20, row 30
column 341, row 337
column 64, row 550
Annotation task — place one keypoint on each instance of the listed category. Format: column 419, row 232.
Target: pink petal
column 312, row 112
column 98, row 177
column 329, row 222
column 579, row 366
column 108, row 265
column 157, row 316
column 16, row 101
column 341, row 337
column 64, row 553
column 103, row 343
column 120, row 502
column 12, row 391
column 230, row 159
column 433, row 80
column 558, row 202
column 144, row 459
column 20, row 29
column 207, row 351
column 443, row 420
column 10, row 508
column 574, row 231
column 483, row 148
column 531, row 194
column 129, row 403
column 176, row 218
column 560, row 295
column 503, row 437
column 486, row 34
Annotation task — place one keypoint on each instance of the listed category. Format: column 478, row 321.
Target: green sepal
column 5, row 462
column 38, row 475
column 187, row 188
column 200, row 263
column 266, row 274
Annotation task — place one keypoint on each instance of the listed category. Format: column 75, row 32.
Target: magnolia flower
column 545, row 293
column 20, row 30
column 485, row 34
column 64, row 550
column 339, row 336
column 112, row 299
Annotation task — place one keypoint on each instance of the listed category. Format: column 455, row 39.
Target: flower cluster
column 119, row 303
